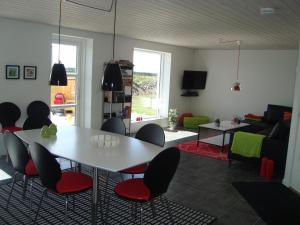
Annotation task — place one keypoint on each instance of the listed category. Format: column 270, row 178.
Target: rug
column 274, row 203
column 52, row 211
column 203, row 149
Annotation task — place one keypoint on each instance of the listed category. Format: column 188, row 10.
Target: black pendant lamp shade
column 112, row 79
column 58, row 75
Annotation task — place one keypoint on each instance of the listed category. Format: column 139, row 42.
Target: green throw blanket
column 247, row 144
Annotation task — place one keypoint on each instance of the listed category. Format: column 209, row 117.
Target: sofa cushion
column 280, row 130
column 275, row 113
column 193, row 122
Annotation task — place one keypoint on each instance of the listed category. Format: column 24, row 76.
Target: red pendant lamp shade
column 236, row 86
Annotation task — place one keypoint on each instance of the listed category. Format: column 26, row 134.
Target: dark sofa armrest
column 276, row 150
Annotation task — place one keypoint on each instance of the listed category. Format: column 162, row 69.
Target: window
column 64, row 98
column 148, row 97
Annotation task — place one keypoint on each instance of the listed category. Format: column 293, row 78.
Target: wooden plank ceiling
column 196, row 24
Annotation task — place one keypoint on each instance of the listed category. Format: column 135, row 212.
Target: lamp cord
column 92, row 7
column 238, row 62
column 114, row 36
column 59, row 27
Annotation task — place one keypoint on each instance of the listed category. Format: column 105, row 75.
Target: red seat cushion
column 133, row 189
column 71, row 182
column 30, row 169
column 135, row 169
column 11, row 129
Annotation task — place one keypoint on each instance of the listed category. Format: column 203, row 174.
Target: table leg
column 224, row 134
column 198, row 136
column 95, row 196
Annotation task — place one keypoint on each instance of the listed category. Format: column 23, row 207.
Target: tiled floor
column 205, row 184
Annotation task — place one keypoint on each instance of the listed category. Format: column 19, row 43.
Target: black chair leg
column 11, row 189
column 30, row 200
column 141, row 214
column 169, row 210
column 25, row 183
column 40, row 204
column 66, row 209
column 153, row 208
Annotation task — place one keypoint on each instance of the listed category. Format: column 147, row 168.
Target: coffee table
column 225, row 126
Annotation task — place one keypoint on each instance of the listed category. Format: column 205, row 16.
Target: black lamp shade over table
column 112, row 80
column 58, row 75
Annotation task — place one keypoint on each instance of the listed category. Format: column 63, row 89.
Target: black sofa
column 275, row 143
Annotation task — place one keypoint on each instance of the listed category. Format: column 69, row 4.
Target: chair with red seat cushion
column 54, row 180
column 153, row 134
column 20, row 160
column 155, row 182
column 9, row 114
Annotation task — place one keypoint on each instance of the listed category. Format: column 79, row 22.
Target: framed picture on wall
column 12, row 72
column 29, row 72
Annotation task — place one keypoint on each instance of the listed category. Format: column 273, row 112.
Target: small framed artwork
column 12, row 72
column 29, row 72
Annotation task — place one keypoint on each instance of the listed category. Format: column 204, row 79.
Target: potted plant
column 173, row 118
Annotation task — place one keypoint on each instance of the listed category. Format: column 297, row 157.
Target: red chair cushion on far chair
column 11, row 129
column 30, row 169
column 136, row 170
column 134, row 189
column 71, row 182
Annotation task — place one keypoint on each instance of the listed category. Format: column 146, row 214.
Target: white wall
column 25, row 43
column 292, row 174
column 266, row 76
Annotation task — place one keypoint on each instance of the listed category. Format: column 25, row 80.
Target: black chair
column 56, row 181
column 9, row 114
column 114, row 125
column 38, row 115
column 21, row 162
column 153, row 134
column 155, row 182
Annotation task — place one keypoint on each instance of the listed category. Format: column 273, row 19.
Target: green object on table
column 194, row 122
column 247, row 144
column 45, row 131
column 52, row 129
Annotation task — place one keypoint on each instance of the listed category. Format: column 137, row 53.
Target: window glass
column 146, row 78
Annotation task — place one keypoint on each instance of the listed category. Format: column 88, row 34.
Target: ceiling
column 196, row 24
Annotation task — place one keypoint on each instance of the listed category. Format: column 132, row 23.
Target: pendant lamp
column 112, row 79
column 236, row 86
column 58, row 76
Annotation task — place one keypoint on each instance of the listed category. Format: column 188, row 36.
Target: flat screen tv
column 194, row 79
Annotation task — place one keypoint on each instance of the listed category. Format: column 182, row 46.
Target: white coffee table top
column 225, row 125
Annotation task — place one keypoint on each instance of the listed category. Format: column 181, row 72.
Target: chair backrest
column 9, row 114
column 17, row 151
column 46, row 165
column 161, row 171
column 114, row 125
column 151, row 133
column 38, row 115
column 38, row 109
column 35, row 123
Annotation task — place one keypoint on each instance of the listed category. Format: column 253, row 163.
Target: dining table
column 80, row 145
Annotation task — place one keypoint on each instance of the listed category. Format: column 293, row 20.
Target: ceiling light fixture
column 236, row 86
column 112, row 79
column 58, row 76
column 267, row 11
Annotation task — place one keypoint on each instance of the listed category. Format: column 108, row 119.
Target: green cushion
column 193, row 122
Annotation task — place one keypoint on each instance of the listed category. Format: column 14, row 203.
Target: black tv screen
column 194, row 79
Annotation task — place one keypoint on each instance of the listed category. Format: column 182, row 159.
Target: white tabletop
column 74, row 143
column 224, row 125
